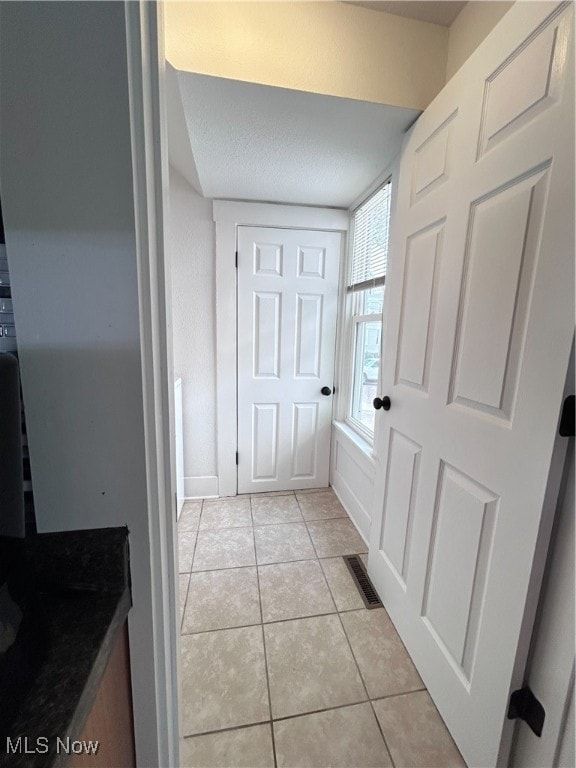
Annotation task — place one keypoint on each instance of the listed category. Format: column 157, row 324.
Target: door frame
column 156, row 662
column 228, row 216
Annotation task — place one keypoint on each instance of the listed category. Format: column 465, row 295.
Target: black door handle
column 326, row 391
column 383, row 402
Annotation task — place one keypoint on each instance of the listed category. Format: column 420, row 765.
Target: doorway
column 287, row 304
column 299, row 460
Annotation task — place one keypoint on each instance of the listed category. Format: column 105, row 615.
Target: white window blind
column 370, row 244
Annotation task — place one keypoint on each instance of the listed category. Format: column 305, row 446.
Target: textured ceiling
column 442, row 13
column 256, row 142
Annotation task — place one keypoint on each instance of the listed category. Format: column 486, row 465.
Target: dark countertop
column 83, row 596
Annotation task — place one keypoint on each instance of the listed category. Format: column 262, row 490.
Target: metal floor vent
column 363, row 583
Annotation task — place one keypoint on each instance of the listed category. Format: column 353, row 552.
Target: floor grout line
column 305, row 714
column 227, row 730
column 365, row 686
column 358, row 668
column 397, row 695
column 195, row 544
column 268, row 623
column 275, row 562
column 263, row 624
column 190, row 572
column 185, row 602
column 382, row 734
column 319, row 711
column 264, row 650
column 366, row 689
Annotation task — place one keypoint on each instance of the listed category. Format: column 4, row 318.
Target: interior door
column 287, row 304
column 551, row 670
column 480, row 321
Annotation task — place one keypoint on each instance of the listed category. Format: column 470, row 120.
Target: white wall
column 191, row 250
column 352, row 471
column 68, row 205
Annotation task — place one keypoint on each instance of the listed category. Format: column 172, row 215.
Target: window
column 365, row 303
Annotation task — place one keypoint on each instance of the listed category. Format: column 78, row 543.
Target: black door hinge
column 236, row 260
column 525, row 706
column 236, row 457
column 566, row 428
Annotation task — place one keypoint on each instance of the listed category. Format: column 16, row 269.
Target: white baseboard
column 201, row 487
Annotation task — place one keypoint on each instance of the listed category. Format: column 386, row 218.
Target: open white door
column 287, row 303
column 480, row 322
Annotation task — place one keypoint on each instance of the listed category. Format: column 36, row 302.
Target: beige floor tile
column 339, row 738
column 293, row 590
column 276, row 509
column 320, row 506
column 190, row 516
column 385, row 665
column 335, row 537
column 223, row 680
column 282, row 543
column 344, row 591
column 416, row 734
column 184, row 580
column 225, row 513
column 186, row 544
column 310, row 666
column 271, row 493
column 222, row 599
column 224, row 548
column 249, row 747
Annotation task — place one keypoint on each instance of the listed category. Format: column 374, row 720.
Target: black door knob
column 326, row 391
column 381, row 402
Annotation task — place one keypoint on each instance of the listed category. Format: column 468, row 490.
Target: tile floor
column 281, row 663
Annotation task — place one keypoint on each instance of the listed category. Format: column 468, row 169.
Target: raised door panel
column 268, row 259
column 501, row 254
column 423, row 254
column 266, row 334
column 308, row 335
column 527, row 83
column 459, row 554
column 265, row 423
column 311, row 261
column 432, row 160
column 401, row 490
column 304, row 439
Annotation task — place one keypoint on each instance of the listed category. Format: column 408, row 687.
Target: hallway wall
column 191, row 250
column 68, row 207
column 474, row 22
column 332, row 48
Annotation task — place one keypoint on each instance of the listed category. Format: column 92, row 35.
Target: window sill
column 360, row 442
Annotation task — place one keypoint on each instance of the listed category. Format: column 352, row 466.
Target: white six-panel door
column 480, row 322
column 287, row 300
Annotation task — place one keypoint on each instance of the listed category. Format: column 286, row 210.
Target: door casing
column 228, row 216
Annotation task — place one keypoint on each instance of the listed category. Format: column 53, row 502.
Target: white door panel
column 287, row 299
column 480, row 322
